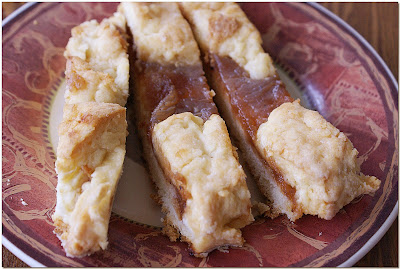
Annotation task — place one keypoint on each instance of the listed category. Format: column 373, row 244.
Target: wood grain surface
column 378, row 24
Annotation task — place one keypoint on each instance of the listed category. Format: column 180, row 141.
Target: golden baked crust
column 224, row 29
column 203, row 165
column 161, row 34
column 90, row 156
column 170, row 88
column 97, row 62
column 315, row 158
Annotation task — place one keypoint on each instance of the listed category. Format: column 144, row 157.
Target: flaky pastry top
column 315, row 158
column 224, row 29
column 97, row 62
column 161, row 34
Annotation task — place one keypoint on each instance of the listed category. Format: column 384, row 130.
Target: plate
column 322, row 60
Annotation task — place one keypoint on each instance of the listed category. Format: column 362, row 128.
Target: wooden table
column 378, row 24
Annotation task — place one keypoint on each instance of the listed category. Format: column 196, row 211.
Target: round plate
column 322, row 60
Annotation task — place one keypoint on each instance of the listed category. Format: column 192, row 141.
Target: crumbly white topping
column 161, row 34
column 90, row 156
column 201, row 153
column 224, row 29
column 100, row 70
column 315, row 158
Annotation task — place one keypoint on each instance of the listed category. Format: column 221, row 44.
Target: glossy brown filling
column 252, row 101
column 164, row 90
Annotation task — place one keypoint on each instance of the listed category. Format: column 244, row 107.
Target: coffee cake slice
column 91, row 147
column 250, row 96
column 90, row 155
column 200, row 182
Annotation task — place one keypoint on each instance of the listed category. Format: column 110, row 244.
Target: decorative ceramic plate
column 322, row 60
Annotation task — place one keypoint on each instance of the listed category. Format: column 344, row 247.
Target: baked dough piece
column 200, row 182
column 315, row 157
column 198, row 157
column 97, row 62
column 223, row 29
column 92, row 135
column 90, row 155
column 248, row 90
